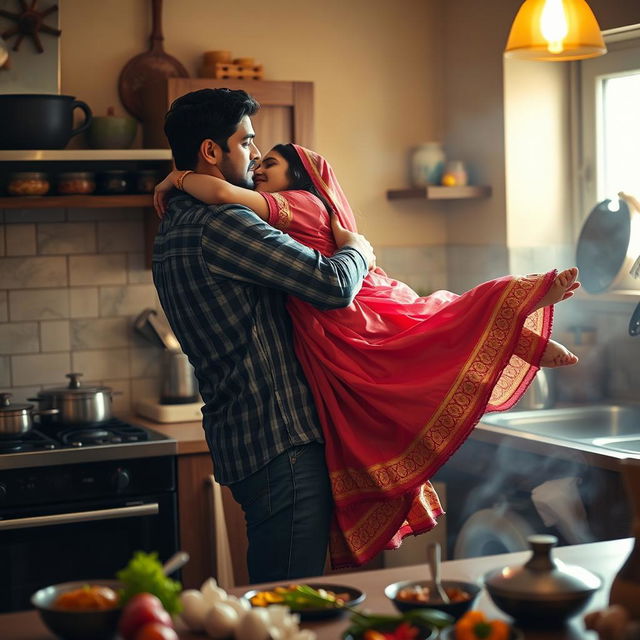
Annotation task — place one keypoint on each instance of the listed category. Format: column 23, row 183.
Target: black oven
column 62, row 521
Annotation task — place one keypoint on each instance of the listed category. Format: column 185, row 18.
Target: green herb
column 360, row 622
column 304, row 597
column 144, row 574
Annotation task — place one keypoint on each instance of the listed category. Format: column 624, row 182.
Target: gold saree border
column 458, row 406
column 284, row 212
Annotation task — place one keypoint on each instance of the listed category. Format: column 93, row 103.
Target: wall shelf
column 70, row 155
column 79, row 201
column 438, row 192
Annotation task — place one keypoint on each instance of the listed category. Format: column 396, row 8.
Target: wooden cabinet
column 198, row 526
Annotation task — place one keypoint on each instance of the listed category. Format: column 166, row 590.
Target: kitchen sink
column 609, row 426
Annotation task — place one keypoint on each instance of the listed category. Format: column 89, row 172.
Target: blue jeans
column 288, row 508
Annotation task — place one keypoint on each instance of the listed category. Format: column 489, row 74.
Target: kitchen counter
column 188, row 435
column 603, row 558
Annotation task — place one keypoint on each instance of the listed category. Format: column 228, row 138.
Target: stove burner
column 30, row 441
column 112, row 432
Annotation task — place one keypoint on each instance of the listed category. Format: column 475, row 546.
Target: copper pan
column 148, row 68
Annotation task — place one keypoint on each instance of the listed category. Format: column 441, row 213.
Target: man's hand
column 344, row 237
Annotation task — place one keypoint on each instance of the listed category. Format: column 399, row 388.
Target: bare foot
column 557, row 355
column 563, row 287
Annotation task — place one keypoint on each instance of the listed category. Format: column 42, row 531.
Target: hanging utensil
column 434, row 565
column 148, row 68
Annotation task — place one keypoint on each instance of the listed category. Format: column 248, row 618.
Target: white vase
column 427, row 164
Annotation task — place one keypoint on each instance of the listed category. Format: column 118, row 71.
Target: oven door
column 40, row 546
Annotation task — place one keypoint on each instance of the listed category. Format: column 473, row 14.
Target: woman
column 399, row 380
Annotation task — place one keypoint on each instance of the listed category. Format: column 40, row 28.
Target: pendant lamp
column 555, row 30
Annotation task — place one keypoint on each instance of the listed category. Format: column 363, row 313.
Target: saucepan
column 75, row 404
column 17, row 419
column 609, row 243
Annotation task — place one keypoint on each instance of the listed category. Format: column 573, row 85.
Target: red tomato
column 156, row 631
column 141, row 610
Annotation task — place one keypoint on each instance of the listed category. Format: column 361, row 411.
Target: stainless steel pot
column 542, row 592
column 77, row 405
column 179, row 384
column 16, row 419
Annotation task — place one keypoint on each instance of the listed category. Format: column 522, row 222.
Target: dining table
column 602, row 558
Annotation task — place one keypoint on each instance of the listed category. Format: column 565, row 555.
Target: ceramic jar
column 28, row 183
column 427, row 164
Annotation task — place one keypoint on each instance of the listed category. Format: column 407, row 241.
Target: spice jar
column 146, row 180
column 113, row 182
column 28, row 183
column 76, row 182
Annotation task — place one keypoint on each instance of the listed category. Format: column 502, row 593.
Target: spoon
column 175, row 562
column 434, row 565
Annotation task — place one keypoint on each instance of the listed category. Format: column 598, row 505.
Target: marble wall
column 71, row 283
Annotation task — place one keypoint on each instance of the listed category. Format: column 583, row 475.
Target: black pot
column 39, row 121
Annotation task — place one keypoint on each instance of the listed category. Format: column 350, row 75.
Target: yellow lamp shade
column 555, row 30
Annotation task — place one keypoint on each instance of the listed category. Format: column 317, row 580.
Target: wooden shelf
column 438, row 192
column 57, row 202
column 30, row 155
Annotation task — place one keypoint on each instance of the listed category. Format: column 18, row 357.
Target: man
column 223, row 275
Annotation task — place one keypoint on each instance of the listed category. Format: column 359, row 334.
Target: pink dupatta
column 400, row 380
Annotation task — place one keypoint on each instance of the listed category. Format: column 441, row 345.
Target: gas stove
column 113, row 439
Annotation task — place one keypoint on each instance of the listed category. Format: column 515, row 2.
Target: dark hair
column 207, row 113
column 298, row 175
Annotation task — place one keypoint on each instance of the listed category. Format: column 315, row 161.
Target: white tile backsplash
column 102, row 364
column 66, row 238
column 5, row 372
column 19, row 338
column 98, row 269
column 33, row 272
column 83, row 302
column 100, row 333
column 43, row 368
column 54, row 335
column 116, row 237
column 137, row 273
column 126, row 301
column 4, row 306
column 21, row 239
column 38, row 304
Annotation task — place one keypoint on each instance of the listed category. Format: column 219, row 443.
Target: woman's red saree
column 399, row 380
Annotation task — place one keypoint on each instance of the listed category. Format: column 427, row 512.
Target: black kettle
column 39, row 121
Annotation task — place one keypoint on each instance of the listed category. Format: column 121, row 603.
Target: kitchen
column 73, row 279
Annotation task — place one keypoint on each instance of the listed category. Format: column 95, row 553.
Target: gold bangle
column 181, row 178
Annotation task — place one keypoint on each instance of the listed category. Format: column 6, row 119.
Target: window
column 610, row 88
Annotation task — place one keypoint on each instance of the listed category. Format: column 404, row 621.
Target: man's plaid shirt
column 223, row 275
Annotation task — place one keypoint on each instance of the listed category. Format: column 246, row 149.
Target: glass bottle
column 427, row 164
column 625, row 589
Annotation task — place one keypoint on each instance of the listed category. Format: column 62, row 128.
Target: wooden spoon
column 148, row 68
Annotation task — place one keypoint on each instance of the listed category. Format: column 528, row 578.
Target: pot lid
column 6, row 406
column 603, row 243
column 542, row 577
column 74, row 388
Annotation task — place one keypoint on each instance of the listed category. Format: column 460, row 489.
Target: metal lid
column 74, row 388
column 6, row 406
column 542, row 577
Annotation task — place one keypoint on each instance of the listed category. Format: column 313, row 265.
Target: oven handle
column 139, row 510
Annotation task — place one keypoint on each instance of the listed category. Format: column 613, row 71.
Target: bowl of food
column 421, row 594
column 80, row 610
column 474, row 625
column 313, row 601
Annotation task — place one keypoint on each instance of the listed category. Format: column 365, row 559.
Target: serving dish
column 355, row 597
column 455, row 609
column 97, row 624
